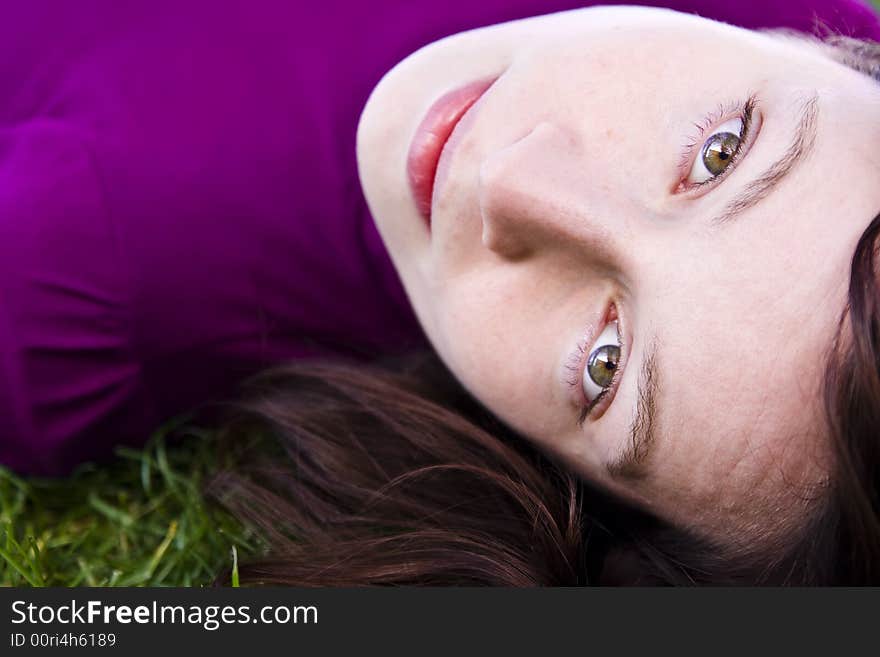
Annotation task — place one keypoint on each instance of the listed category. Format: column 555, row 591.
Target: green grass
column 139, row 521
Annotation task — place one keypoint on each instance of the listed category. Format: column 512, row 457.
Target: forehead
column 740, row 416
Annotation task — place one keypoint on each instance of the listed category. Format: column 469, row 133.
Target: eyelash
column 575, row 367
column 744, row 110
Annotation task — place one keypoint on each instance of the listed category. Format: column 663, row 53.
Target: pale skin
column 571, row 194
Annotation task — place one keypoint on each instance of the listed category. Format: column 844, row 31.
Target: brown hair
column 846, row 536
column 391, row 473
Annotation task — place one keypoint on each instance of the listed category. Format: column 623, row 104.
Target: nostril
column 498, row 202
column 507, row 244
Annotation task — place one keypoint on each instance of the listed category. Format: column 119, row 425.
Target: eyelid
column 596, row 407
column 747, row 111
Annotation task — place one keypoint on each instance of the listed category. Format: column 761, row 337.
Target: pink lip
column 432, row 135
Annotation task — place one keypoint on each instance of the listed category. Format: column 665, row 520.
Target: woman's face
column 649, row 209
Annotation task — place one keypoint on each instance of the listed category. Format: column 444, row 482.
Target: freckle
column 609, row 133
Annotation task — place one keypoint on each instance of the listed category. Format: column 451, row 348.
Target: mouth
column 431, row 137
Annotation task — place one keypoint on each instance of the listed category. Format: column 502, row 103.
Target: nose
column 543, row 192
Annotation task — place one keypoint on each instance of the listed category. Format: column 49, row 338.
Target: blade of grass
column 235, row 583
column 114, row 514
column 163, row 546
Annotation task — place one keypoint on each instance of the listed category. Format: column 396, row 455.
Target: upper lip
column 456, row 134
column 433, row 135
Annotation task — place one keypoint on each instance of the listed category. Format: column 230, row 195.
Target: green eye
column 719, row 151
column 602, row 364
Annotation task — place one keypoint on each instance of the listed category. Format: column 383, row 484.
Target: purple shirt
column 179, row 200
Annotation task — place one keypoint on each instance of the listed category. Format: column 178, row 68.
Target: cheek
column 505, row 358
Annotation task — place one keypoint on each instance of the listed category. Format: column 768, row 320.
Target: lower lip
column 431, row 136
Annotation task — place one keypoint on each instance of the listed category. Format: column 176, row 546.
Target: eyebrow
column 801, row 145
column 630, row 464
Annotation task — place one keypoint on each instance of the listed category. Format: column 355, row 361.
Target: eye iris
column 603, row 361
column 719, row 151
